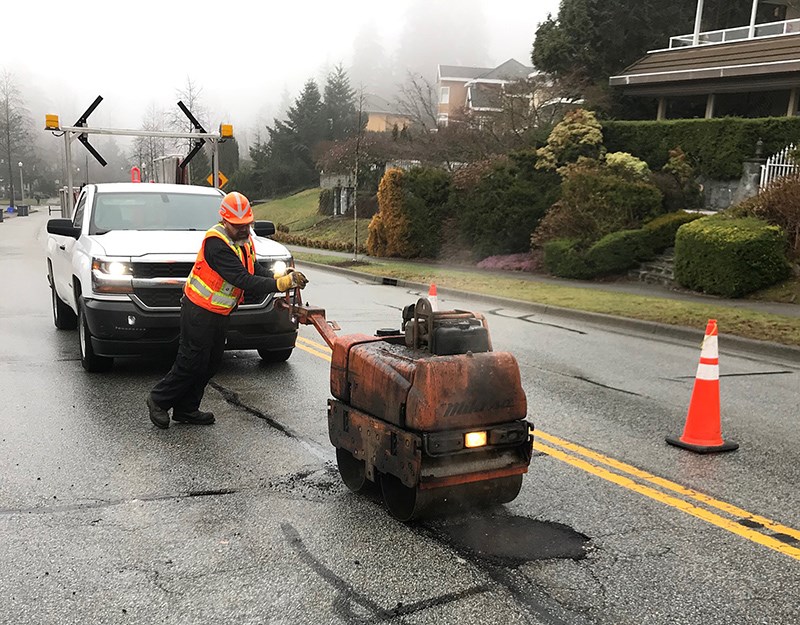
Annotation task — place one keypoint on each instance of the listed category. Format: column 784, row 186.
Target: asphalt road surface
column 106, row 519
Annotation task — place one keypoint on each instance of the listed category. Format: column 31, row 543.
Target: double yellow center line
column 753, row 527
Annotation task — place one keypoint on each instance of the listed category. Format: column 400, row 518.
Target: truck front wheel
column 89, row 360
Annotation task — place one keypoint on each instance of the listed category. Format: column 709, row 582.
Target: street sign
column 223, row 180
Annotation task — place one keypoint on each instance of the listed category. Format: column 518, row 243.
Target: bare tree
column 418, row 100
column 190, row 94
column 15, row 126
column 147, row 149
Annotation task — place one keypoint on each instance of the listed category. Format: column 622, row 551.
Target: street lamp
column 21, row 185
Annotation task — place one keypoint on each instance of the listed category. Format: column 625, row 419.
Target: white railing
column 739, row 33
column 778, row 165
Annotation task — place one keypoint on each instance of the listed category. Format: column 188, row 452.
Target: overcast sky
column 245, row 55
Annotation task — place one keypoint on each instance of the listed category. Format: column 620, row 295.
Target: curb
column 652, row 328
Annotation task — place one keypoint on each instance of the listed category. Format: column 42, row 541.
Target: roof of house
column 510, row 70
column 459, row 71
column 763, row 63
column 377, row 104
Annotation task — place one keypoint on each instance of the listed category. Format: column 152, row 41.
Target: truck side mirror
column 264, row 228
column 63, row 227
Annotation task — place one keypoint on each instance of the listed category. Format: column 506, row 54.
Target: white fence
column 778, row 165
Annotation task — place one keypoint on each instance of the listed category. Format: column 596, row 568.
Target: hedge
column 663, row 228
column 730, row 257
column 716, row 147
column 322, row 244
column 564, row 258
column 618, row 251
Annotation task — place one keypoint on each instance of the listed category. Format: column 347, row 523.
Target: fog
column 247, row 60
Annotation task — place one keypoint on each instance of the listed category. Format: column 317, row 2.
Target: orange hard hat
column 235, row 209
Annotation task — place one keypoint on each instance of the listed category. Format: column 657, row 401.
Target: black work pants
column 202, row 344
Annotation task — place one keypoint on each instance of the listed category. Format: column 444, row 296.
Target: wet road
column 106, row 519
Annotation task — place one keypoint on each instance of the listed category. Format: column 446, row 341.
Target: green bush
column 325, row 202
column 730, row 257
column 563, row 258
column 596, row 201
column 662, row 229
column 427, row 191
column 411, row 208
column 499, row 213
column 778, row 204
column 716, row 147
column 618, row 251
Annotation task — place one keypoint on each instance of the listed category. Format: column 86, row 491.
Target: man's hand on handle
column 292, row 280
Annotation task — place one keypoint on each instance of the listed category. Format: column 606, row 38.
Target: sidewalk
column 761, row 348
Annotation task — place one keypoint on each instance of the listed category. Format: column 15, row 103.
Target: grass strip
column 736, row 321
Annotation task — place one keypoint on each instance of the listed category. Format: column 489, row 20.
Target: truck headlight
column 276, row 266
column 111, row 276
column 279, row 268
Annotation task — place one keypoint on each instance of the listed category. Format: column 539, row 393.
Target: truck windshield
column 154, row 211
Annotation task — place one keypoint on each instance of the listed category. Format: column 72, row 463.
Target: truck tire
column 275, row 356
column 63, row 316
column 89, row 360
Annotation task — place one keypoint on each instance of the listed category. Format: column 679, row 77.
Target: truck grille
column 162, row 270
column 171, row 298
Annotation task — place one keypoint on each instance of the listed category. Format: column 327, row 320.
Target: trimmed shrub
column 498, row 214
column 563, row 258
column 595, row 201
column 729, row 257
column 627, row 165
column 779, row 204
column 322, row 244
column 578, row 135
column 325, row 206
column 411, row 208
column 618, row 251
column 388, row 229
column 662, row 229
column 716, row 147
column 427, row 191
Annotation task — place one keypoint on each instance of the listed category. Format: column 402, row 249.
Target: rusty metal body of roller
column 428, row 413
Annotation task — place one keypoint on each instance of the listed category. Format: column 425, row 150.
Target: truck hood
column 140, row 243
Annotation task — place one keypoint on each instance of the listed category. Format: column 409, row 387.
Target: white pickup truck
column 117, row 270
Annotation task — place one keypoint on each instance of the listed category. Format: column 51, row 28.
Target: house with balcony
column 752, row 70
column 475, row 91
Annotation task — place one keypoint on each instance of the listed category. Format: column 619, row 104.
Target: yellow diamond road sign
column 223, row 179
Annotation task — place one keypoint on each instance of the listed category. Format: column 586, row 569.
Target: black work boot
column 158, row 415
column 195, row 417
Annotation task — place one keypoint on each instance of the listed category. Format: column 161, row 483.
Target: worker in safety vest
column 225, row 268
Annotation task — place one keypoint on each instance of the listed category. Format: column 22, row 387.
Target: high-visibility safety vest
column 209, row 290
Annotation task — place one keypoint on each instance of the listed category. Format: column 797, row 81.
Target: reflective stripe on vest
column 206, row 288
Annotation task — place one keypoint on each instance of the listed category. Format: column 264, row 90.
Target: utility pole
column 355, row 181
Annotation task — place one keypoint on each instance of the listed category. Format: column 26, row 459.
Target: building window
column 444, row 95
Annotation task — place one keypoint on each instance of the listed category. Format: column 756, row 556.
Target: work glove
column 292, row 280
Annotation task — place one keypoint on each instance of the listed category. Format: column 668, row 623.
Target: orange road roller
column 428, row 413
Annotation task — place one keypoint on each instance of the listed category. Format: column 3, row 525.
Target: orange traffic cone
column 702, row 432
column 432, row 298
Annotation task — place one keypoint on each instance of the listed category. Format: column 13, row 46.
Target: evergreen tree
column 580, row 42
column 229, row 157
column 340, row 106
column 306, row 122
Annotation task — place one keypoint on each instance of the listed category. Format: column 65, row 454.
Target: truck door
column 62, row 256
